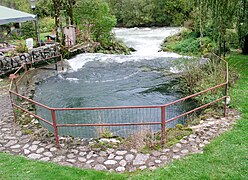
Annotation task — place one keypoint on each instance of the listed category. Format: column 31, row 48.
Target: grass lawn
column 225, row 158
column 19, row 168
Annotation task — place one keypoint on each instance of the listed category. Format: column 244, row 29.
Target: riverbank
column 187, row 42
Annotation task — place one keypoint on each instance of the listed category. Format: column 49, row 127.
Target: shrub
column 28, row 30
column 232, row 39
column 198, row 77
column 46, row 24
column 21, row 48
column 190, row 45
column 189, row 42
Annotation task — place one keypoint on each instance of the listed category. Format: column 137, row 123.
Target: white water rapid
column 146, row 42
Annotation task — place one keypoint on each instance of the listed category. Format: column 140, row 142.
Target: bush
column 232, row 39
column 21, row 48
column 46, row 24
column 28, row 30
column 198, row 77
column 190, row 45
column 189, row 42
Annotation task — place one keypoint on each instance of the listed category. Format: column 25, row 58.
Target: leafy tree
column 44, row 8
column 95, row 17
column 242, row 25
column 149, row 12
column 68, row 5
column 215, row 17
column 57, row 4
column 22, row 5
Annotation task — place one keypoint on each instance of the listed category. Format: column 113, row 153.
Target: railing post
column 16, row 88
column 13, row 77
column 226, row 90
column 12, row 102
column 225, row 104
column 163, row 117
column 25, row 67
column 55, row 128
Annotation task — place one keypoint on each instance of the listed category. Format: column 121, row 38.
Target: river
column 146, row 77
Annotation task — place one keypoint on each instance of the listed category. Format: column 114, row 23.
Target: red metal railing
column 163, row 108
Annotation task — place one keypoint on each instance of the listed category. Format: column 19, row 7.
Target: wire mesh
column 178, row 113
column 109, row 116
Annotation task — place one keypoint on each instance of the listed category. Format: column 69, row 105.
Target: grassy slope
column 225, row 158
column 19, row 168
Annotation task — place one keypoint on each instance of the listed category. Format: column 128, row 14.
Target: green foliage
column 46, row 24
column 21, row 48
column 28, row 30
column 114, row 46
column 190, row 43
column 106, row 134
column 214, row 18
column 44, row 8
column 131, row 13
column 95, row 19
column 22, row 5
column 232, row 39
column 191, row 46
column 198, row 77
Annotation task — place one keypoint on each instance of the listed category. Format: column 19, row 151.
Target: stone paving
column 14, row 141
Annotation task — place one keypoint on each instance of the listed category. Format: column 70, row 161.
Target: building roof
column 8, row 15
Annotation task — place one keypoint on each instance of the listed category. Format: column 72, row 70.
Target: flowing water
column 146, row 77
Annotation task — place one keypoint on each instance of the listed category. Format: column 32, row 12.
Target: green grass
column 13, row 167
column 188, row 42
column 225, row 158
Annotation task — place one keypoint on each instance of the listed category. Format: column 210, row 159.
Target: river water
column 146, row 77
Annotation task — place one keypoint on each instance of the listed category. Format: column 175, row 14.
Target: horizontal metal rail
column 38, row 117
column 196, row 109
column 194, row 95
column 115, row 124
column 106, row 108
column 30, row 100
column 137, row 107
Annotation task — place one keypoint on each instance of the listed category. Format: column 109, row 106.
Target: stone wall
column 10, row 64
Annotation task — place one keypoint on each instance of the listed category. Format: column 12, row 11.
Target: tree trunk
column 70, row 11
column 57, row 6
column 245, row 46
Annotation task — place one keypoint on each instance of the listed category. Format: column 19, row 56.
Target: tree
column 44, row 8
column 95, row 17
column 220, row 16
column 57, row 8
column 22, row 5
column 242, row 25
column 68, row 6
